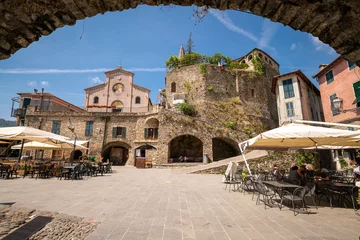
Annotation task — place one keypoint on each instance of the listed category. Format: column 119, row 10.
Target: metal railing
column 19, row 112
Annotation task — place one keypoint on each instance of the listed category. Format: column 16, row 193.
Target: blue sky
column 141, row 40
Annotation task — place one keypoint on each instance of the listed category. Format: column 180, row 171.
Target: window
column 173, row 87
column 290, row 109
column 22, row 122
column 151, row 133
column 96, row 100
column 137, row 100
column 250, row 57
column 299, row 86
column 351, row 65
column 333, row 109
column 119, row 132
column 356, row 87
column 117, row 106
column 312, row 113
column 89, row 129
column 288, row 88
column 118, row 88
column 329, row 77
column 351, row 129
column 56, row 127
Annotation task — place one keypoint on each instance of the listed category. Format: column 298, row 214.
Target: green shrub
column 210, row 88
column 343, row 162
column 203, row 69
column 172, row 63
column 187, row 85
column 238, row 65
column 304, row 157
column 187, row 109
column 217, row 57
column 192, row 58
column 235, row 100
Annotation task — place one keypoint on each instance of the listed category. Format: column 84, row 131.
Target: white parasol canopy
column 29, row 133
column 294, row 135
column 43, row 146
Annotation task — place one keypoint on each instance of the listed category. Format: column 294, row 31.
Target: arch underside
column 334, row 22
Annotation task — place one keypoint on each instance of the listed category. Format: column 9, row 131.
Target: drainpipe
column 41, row 99
column 105, row 130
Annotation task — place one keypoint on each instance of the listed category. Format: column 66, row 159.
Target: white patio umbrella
column 33, row 145
column 32, row 134
column 294, row 135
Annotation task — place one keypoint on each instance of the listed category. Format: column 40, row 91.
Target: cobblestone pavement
column 153, row 204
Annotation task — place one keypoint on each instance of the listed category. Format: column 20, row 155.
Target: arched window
column 137, row 100
column 117, row 106
column 266, row 59
column 260, row 55
column 250, row 57
column 243, row 62
column 118, row 88
column 173, row 87
column 96, row 100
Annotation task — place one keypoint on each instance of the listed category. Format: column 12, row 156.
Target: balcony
column 20, row 112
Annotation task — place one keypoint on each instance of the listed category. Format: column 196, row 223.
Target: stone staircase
column 249, row 156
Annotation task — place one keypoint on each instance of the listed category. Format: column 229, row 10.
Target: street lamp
column 338, row 105
column 72, row 129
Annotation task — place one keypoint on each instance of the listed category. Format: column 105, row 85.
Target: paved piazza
column 156, row 204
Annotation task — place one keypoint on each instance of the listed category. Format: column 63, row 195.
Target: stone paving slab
column 154, row 204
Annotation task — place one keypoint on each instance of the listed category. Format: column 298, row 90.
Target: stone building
column 118, row 94
column 297, row 98
column 228, row 110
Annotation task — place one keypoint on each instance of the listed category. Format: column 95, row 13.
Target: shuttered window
column 288, row 88
column 151, row 133
column 333, row 109
column 56, row 127
column 351, row 65
column 119, row 132
column 89, row 129
column 290, row 109
column 329, row 77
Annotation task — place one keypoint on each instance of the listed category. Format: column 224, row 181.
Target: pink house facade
column 118, row 94
column 340, row 79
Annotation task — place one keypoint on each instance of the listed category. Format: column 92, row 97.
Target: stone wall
column 24, row 22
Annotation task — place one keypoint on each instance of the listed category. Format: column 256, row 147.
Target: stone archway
column 77, row 154
column 117, row 152
column 187, row 146
column 23, row 22
column 224, row 148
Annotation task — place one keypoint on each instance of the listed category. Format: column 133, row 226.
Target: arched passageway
column 77, row 154
column 185, row 148
column 146, row 151
column 116, row 152
column 224, row 148
column 23, row 22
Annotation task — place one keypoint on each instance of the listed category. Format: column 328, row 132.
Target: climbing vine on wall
column 259, row 66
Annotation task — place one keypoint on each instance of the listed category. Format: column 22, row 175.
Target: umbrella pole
column 73, row 153
column 42, row 155
column 243, row 155
column 21, row 149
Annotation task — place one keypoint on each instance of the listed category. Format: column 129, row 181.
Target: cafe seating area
column 266, row 188
column 61, row 170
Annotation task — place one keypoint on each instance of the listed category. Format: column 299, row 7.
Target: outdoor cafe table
column 278, row 187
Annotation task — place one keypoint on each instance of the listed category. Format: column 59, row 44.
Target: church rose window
column 118, row 88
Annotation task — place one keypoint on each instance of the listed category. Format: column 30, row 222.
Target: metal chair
column 310, row 193
column 297, row 196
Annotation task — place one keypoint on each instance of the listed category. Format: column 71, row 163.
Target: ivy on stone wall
column 238, row 65
column 187, row 109
column 203, row 69
column 259, row 66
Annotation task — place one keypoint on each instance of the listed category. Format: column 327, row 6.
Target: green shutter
column 329, row 77
column 156, row 132
column 146, row 133
column 123, row 132
column 114, row 132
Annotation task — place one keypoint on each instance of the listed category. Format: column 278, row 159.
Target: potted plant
column 22, row 170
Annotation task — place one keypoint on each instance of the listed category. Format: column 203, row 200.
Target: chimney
column 120, row 67
column 322, row 66
column 42, row 91
column 35, row 91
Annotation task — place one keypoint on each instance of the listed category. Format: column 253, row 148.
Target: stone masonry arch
column 23, row 22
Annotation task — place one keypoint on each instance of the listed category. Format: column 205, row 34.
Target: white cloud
column 32, row 83
column 58, row 71
column 44, row 83
column 96, row 80
column 269, row 29
column 293, row 46
column 320, row 46
column 226, row 21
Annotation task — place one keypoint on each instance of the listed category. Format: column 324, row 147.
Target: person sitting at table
column 323, row 174
column 276, row 173
column 296, row 176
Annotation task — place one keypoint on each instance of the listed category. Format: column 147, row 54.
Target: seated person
column 357, row 170
column 296, row 176
column 323, row 174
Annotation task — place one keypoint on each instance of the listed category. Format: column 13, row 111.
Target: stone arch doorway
column 185, row 145
column 27, row 21
column 117, row 153
column 224, row 148
column 145, row 152
column 77, row 154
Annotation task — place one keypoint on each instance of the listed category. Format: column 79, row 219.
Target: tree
column 190, row 45
column 172, row 62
